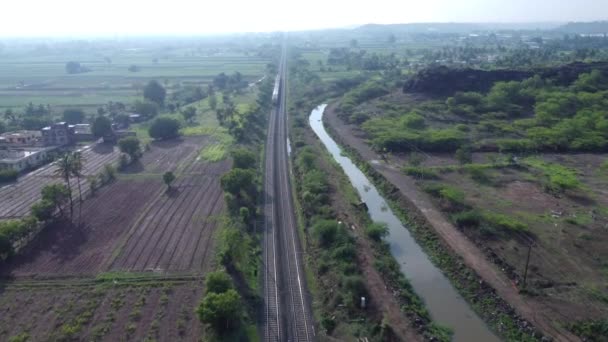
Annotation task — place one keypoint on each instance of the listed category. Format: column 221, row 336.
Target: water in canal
column 444, row 303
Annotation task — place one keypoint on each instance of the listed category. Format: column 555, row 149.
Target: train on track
column 275, row 91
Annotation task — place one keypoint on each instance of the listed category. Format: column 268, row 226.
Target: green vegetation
column 528, row 116
column 131, row 146
column 168, row 178
column 594, row 330
column 101, row 126
column 8, row 175
column 221, row 307
column 164, row 128
column 555, row 177
column 376, row 231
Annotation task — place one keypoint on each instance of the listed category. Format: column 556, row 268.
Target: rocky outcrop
column 444, row 81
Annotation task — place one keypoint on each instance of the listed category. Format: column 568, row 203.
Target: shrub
column 470, row 218
column 164, row 128
column 377, row 231
column 243, row 159
column 452, row 194
column 464, row 155
column 504, row 222
column 43, row 210
column 354, row 289
column 8, row 175
column 218, row 282
column 220, row 309
column 557, row 178
column 421, row 172
column 130, row 146
column 325, row 231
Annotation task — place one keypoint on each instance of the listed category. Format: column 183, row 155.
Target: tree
column 164, row 128
column 188, row 113
column 464, row 155
column 73, row 67
column 101, row 126
column 168, row 178
column 243, row 159
column 57, row 194
column 64, row 170
column 220, row 309
column 43, row 210
column 237, row 180
column 212, row 101
column 130, row 146
column 155, row 92
column 11, row 116
column 134, row 68
column 76, row 171
column 73, row 116
column 218, row 282
column 146, row 108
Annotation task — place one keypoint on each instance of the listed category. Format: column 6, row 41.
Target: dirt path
column 530, row 309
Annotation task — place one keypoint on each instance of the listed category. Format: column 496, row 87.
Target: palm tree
column 76, row 171
column 64, row 170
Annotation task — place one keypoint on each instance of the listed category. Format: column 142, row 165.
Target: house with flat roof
column 57, row 134
column 20, row 159
column 20, row 138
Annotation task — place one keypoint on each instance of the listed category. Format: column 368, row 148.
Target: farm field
column 135, row 223
column 18, row 197
column 76, row 279
column 37, row 74
column 110, row 308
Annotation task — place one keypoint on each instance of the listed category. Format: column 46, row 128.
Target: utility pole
column 527, row 263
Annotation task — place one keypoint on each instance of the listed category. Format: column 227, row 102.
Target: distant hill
column 585, row 28
column 457, row 27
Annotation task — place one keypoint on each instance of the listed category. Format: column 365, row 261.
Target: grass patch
column 421, row 172
column 556, row 178
column 214, row 153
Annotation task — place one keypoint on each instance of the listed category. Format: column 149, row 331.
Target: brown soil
column 134, row 223
column 540, row 312
column 63, row 248
column 106, row 312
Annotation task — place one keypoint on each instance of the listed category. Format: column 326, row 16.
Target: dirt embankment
column 542, row 315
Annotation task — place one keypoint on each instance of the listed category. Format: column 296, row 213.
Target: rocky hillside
column 444, row 81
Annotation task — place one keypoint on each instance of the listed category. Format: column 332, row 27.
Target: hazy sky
column 109, row 17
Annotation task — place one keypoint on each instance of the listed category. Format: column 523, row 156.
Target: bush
column 43, row 210
column 130, row 146
column 377, row 231
column 421, row 172
column 243, row 159
column 470, row 218
column 218, row 282
column 325, row 231
column 164, row 128
column 504, row 222
column 464, row 155
column 220, row 310
column 8, row 175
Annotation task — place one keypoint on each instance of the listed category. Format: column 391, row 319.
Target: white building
column 20, row 159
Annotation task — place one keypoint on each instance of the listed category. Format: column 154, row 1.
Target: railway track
column 287, row 314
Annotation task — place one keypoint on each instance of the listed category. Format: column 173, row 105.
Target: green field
column 38, row 74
